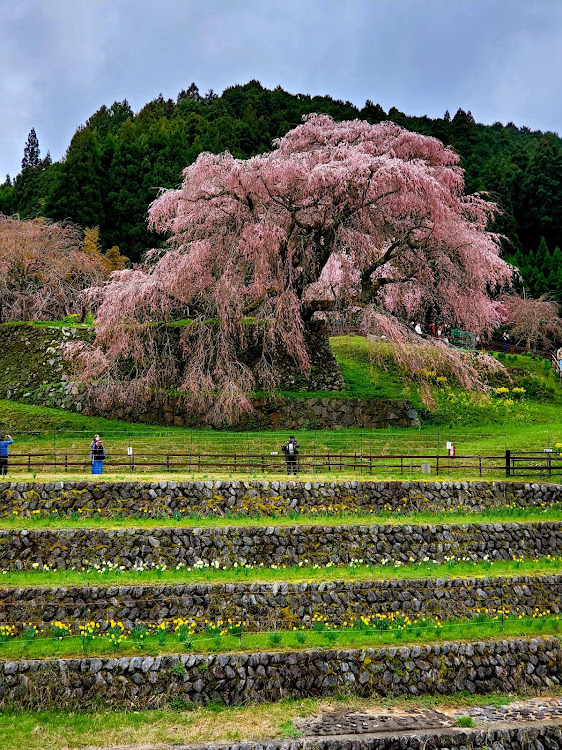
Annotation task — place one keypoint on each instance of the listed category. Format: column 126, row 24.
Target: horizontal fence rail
column 509, row 463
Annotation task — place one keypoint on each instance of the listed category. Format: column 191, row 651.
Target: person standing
column 290, row 449
column 99, row 457
column 4, row 453
column 93, row 447
column 505, row 342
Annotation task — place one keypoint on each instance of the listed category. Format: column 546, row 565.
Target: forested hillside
column 115, row 164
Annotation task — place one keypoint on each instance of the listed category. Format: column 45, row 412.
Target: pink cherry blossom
column 340, row 215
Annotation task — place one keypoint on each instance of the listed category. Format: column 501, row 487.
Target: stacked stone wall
column 33, row 368
column 274, row 545
column 165, row 499
column 269, row 412
column 148, row 681
column 499, row 738
column 272, row 605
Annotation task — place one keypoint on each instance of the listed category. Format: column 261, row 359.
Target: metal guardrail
column 510, row 463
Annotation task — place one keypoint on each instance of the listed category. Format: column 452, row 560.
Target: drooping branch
column 339, row 216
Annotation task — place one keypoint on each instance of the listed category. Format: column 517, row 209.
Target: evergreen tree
column 31, row 151
column 540, row 206
column 77, row 193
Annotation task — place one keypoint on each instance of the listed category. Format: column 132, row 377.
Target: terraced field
column 191, row 594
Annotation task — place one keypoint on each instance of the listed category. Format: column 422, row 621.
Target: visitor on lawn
column 505, row 342
column 92, row 447
column 290, row 449
column 4, row 453
column 98, row 458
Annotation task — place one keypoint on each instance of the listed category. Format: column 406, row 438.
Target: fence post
column 507, row 462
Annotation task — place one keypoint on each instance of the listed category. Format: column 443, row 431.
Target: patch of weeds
column 179, row 704
column 288, row 729
column 178, row 670
column 331, row 636
column 139, row 633
column 465, row 721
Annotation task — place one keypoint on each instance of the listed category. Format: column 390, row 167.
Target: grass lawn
column 41, row 430
column 53, row 730
column 376, row 631
column 455, row 516
column 478, row 427
column 356, row 571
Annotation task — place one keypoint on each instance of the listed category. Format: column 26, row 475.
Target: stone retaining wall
column 41, row 350
column 157, row 499
column 33, row 369
column 149, row 681
column 76, row 547
column 266, row 605
column 270, row 412
column 531, row 737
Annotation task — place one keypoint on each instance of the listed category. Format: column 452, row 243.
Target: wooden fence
column 510, row 464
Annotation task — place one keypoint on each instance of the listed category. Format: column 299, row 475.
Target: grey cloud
column 62, row 59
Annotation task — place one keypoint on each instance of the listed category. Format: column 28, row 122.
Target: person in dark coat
column 93, row 447
column 99, row 457
column 4, row 453
column 290, row 449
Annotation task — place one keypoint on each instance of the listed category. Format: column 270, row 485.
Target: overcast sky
column 60, row 60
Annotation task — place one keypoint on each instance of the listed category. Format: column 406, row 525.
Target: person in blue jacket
column 4, row 453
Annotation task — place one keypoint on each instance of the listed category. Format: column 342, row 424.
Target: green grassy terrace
column 111, row 574
column 57, row 641
column 479, row 425
column 454, row 516
column 180, row 723
column 40, row 429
